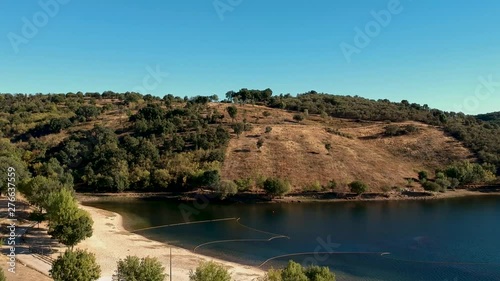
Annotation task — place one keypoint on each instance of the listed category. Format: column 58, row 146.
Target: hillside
column 493, row 117
column 296, row 151
column 114, row 142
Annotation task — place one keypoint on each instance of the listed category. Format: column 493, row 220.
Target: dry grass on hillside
column 296, row 151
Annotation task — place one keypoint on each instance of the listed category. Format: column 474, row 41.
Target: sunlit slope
column 296, row 150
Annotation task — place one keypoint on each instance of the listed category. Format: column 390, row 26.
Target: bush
column 296, row 272
column 259, row 181
column 133, row 268
column 209, row 271
column 358, row 187
column 227, row 188
column 431, row 186
column 210, row 178
column 315, row 186
column 331, row 185
column 423, row 176
column 268, row 129
column 386, row 188
column 298, row 117
column 78, row 265
column 276, row 187
column 266, row 113
column 245, row 184
column 444, row 183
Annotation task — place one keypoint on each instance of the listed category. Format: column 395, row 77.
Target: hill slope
column 296, row 151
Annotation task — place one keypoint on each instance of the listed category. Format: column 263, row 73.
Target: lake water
column 453, row 239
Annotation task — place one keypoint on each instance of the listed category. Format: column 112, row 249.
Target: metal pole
column 170, row 263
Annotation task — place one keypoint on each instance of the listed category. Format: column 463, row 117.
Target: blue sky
column 429, row 52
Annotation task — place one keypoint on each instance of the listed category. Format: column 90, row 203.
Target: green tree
column 134, row 269
column 227, row 188
column 238, row 128
column 296, row 272
column 232, row 111
column 38, row 189
column 87, row 113
column 56, row 125
column 276, row 187
column 431, row 186
column 423, row 176
column 78, row 265
column 67, row 223
column 73, row 231
column 358, row 187
column 316, row 273
column 209, row 271
column 293, row 271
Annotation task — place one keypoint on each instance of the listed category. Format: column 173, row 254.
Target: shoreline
column 111, row 241
column 304, row 197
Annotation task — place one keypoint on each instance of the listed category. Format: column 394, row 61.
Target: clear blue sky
column 430, row 52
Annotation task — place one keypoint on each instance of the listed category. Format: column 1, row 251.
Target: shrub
column 358, row 187
column 444, row 183
column 259, row 181
column 268, row 129
column 276, row 187
column 133, row 268
column 386, row 188
column 245, row 184
column 266, row 113
column 331, row 185
column 423, row 176
column 315, row 186
column 328, row 146
column 296, row 272
column 260, row 143
column 227, row 188
column 298, row 117
column 210, row 178
column 454, row 183
column 78, row 265
column 431, row 186
column 209, row 271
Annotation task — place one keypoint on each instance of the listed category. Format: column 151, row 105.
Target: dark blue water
column 453, row 239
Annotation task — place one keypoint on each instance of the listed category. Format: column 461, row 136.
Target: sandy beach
column 111, row 242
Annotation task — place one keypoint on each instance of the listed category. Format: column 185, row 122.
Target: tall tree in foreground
column 134, row 269
column 67, row 223
column 76, row 265
column 210, row 271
